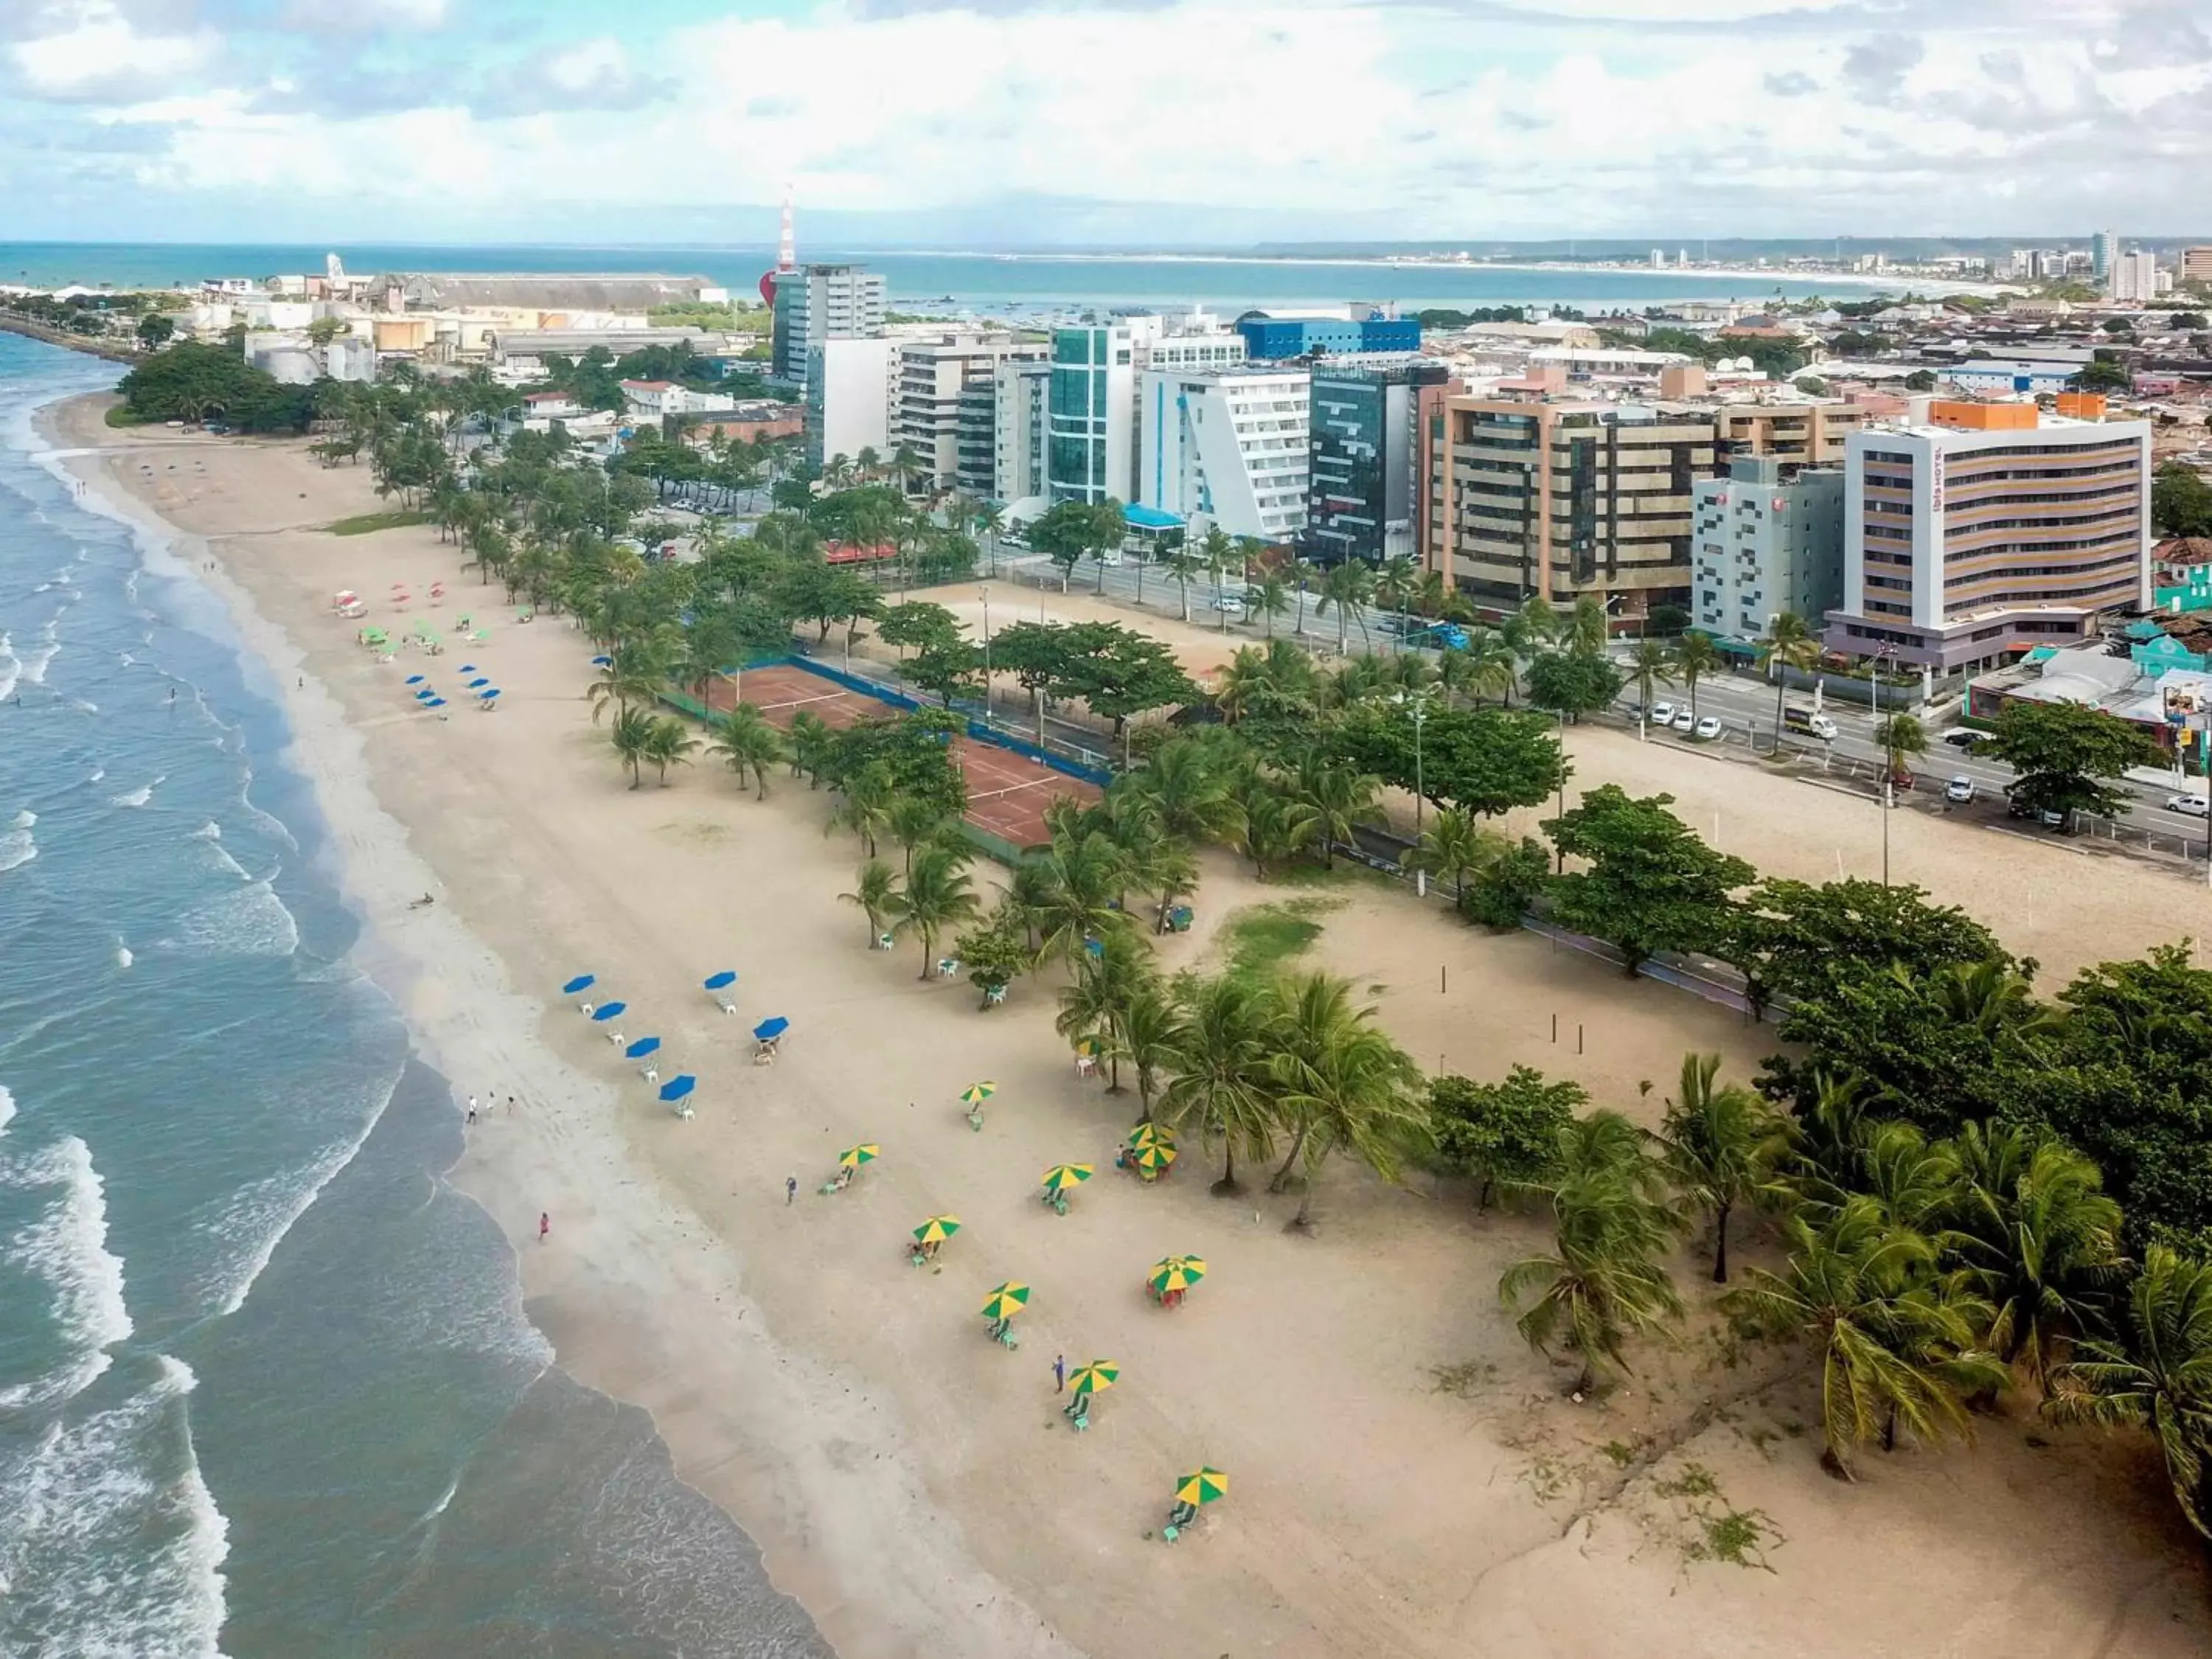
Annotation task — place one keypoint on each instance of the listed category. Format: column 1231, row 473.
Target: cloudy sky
column 1030, row 121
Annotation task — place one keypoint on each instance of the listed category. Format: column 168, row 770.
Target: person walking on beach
column 472, row 1114
column 510, row 1105
column 790, row 1188
column 544, row 1226
column 1058, row 1372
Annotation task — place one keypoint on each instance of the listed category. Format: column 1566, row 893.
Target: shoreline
column 906, row 1481
column 465, row 1019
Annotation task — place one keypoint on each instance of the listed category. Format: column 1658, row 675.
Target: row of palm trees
column 1923, row 1277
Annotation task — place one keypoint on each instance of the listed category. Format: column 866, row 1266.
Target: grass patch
column 123, row 415
column 1739, row 1537
column 1696, row 1480
column 368, row 523
column 1263, row 937
column 1462, row 1382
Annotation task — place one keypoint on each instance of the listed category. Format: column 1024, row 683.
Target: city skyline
column 1004, row 123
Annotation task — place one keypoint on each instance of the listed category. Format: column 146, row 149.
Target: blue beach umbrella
column 487, row 696
column 479, row 683
column 424, row 695
column 603, row 662
column 716, row 981
column 581, row 983
column 468, row 668
column 436, row 702
column 677, row 1087
column 641, row 1047
column 609, row 1009
column 418, row 679
column 769, row 1030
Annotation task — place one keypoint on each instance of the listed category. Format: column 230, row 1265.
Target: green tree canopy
column 2069, row 759
column 1651, row 884
column 1502, row 1133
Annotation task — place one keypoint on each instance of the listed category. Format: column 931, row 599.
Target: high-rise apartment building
column 816, row 303
column 1558, row 500
column 2196, row 266
column 1769, row 537
column 2135, row 275
column 1225, row 444
column 1807, row 434
column 849, row 399
column 1091, row 450
column 1364, row 442
column 1019, row 391
column 2104, row 252
column 1990, row 531
column 933, row 378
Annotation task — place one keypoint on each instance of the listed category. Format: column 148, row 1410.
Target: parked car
column 1662, row 713
column 2192, row 806
column 1708, row 728
column 1230, row 605
column 1684, row 722
column 2049, row 820
column 1959, row 789
column 1960, row 737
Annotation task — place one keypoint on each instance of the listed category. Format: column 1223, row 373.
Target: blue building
column 1278, row 338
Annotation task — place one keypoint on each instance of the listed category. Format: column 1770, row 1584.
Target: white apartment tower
column 1226, row 445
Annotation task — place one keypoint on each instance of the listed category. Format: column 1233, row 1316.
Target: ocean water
column 266, row 1386
column 1003, row 284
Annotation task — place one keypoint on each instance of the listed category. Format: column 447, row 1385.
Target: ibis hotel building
column 1990, row 530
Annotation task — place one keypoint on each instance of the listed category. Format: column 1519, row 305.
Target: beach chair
column 652, row 1074
column 885, row 941
column 947, row 967
column 994, row 996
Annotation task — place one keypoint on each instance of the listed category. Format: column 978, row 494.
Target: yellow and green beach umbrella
column 1095, row 1379
column 853, row 1157
column 1153, row 1156
column 1087, row 1046
column 1009, row 1299
column 1062, row 1177
column 1177, row 1273
column 937, row 1229
column 976, row 1093
column 1202, row 1488
column 1149, row 1133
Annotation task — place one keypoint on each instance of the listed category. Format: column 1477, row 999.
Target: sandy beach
column 1407, row 1478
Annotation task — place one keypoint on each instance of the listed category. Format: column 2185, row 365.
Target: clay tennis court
column 1007, row 792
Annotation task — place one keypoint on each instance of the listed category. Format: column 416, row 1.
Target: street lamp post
column 1417, row 708
column 984, row 594
column 1888, row 760
column 1560, row 853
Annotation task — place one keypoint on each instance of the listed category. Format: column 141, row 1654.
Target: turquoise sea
column 1003, row 283
column 266, row 1385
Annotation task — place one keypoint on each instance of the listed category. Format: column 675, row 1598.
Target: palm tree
column 1095, row 1005
column 1152, row 1026
column 1902, row 738
column 937, row 895
column 1083, row 880
column 1585, row 628
column 1221, row 1082
column 1453, row 844
column 1183, row 562
column 1482, row 667
column 874, row 890
column 808, row 744
column 1603, row 1280
column 988, row 518
column 1188, row 792
column 1244, row 680
column 746, row 741
column 668, row 742
column 865, row 806
column 1301, row 573
column 1340, row 800
column 631, row 674
column 1397, row 582
column 1650, row 665
column 2038, row 1231
column 2158, row 1375
column 1348, row 586
column 1895, row 1339
column 1270, row 596
column 632, row 740
column 1719, row 1145
column 1787, row 643
column 1028, row 898
column 1695, row 657
column 1273, row 824
column 914, row 823
column 1338, row 1081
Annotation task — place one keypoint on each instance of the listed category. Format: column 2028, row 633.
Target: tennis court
column 1007, row 792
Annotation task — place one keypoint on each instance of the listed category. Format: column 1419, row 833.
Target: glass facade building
column 1090, row 415
column 1365, row 452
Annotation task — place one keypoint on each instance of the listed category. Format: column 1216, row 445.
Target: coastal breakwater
column 14, row 322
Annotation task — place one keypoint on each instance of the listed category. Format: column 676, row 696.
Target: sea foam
column 66, row 1246
column 16, row 846
column 139, row 796
column 251, row 921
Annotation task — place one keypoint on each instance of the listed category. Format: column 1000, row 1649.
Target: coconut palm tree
column 668, row 742
column 632, row 740
column 1787, row 643
column 1219, row 1082
column 1337, row 1081
column 2034, row 1227
column 1603, row 1280
column 1586, row 627
column 807, row 744
column 1151, row 1027
column 988, row 521
column 1695, row 657
column 1188, row 791
column 1397, row 583
column 1095, row 1005
column 1302, row 574
column 914, row 824
column 1896, row 1340
column 1484, row 666
column 1244, row 680
column 1650, row 665
column 1183, row 562
column 1719, row 1145
column 864, row 807
column 873, row 890
column 2157, row 1376
column 937, row 895
column 1340, row 798
column 1273, row 824
column 1902, row 738
column 632, row 674
column 1083, row 881
column 1028, row 898
column 1270, row 596
column 747, row 742
column 1348, row 586
column 1453, row 844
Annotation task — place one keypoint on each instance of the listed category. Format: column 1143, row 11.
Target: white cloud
column 92, row 52
column 360, row 16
